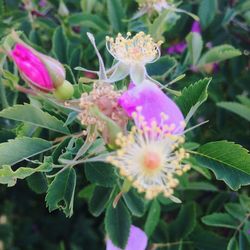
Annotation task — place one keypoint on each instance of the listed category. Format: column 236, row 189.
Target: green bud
column 65, row 91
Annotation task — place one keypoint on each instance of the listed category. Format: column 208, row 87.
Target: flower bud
column 31, row 68
column 41, row 71
column 63, row 10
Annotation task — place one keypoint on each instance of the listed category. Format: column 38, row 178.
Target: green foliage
column 100, row 173
column 230, row 164
column 9, row 177
column 153, row 217
column 193, row 96
column 61, row 191
column 220, row 220
column 207, row 11
column 23, row 148
column 210, row 217
column 219, row 53
column 117, row 224
column 31, row 114
column 99, row 200
column 237, row 108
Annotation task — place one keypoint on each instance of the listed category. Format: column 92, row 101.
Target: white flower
column 132, row 54
column 150, row 157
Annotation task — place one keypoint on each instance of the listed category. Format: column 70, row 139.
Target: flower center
column 138, row 49
column 152, row 161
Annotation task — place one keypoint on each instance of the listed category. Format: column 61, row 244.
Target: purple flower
column 153, row 102
column 177, row 48
column 137, row 240
column 196, row 27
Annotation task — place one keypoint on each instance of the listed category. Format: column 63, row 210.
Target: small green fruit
column 65, row 91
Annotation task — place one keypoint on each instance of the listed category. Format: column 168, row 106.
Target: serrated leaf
column 115, row 14
column 207, row 11
column 60, row 44
column 31, row 114
column 236, row 108
column 134, row 202
column 19, row 149
column 220, row 220
column 100, row 173
column 99, row 200
column 230, row 162
column 61, row 192
column 9, row 177
column 193, row 94
column 181, row 227
column 117, row 224
column 218, row 54
column 153, row 218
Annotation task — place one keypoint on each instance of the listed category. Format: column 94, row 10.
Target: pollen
column 150, row 157
column 140, row 48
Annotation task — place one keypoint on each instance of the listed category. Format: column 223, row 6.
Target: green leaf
column 153, row 218
column 87, row 192
column 233, row 244
column 230, row 162
column 60, row 44
column 220, row 220
column 193, row 94
column 89, row 21
column 235, row 210
column 164, row 22
column 207, row 11
column 182, row 227
column 9, row 177
column 19, row 149
column 243, row 242
column 33, row 115
column 244, row 100
column 99, row 200
column 218, row 54
column 195, row 45
column 199, row 185
column 134, row 202
column 237, row 108
column 117, row 224
column 115, row 14
column 100, row 173
column 245, row 202
column 162, row 67
column 38, row 183
column 61, row 192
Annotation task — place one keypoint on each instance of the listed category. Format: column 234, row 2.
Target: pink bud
column 31, row 67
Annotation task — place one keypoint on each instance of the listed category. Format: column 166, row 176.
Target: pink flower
column 31, row 67
column 153, row 102
column 137, row 240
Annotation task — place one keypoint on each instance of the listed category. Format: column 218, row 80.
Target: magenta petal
column 153, row 102
column 137, row 240
column 196, row 27
column 31, row 67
